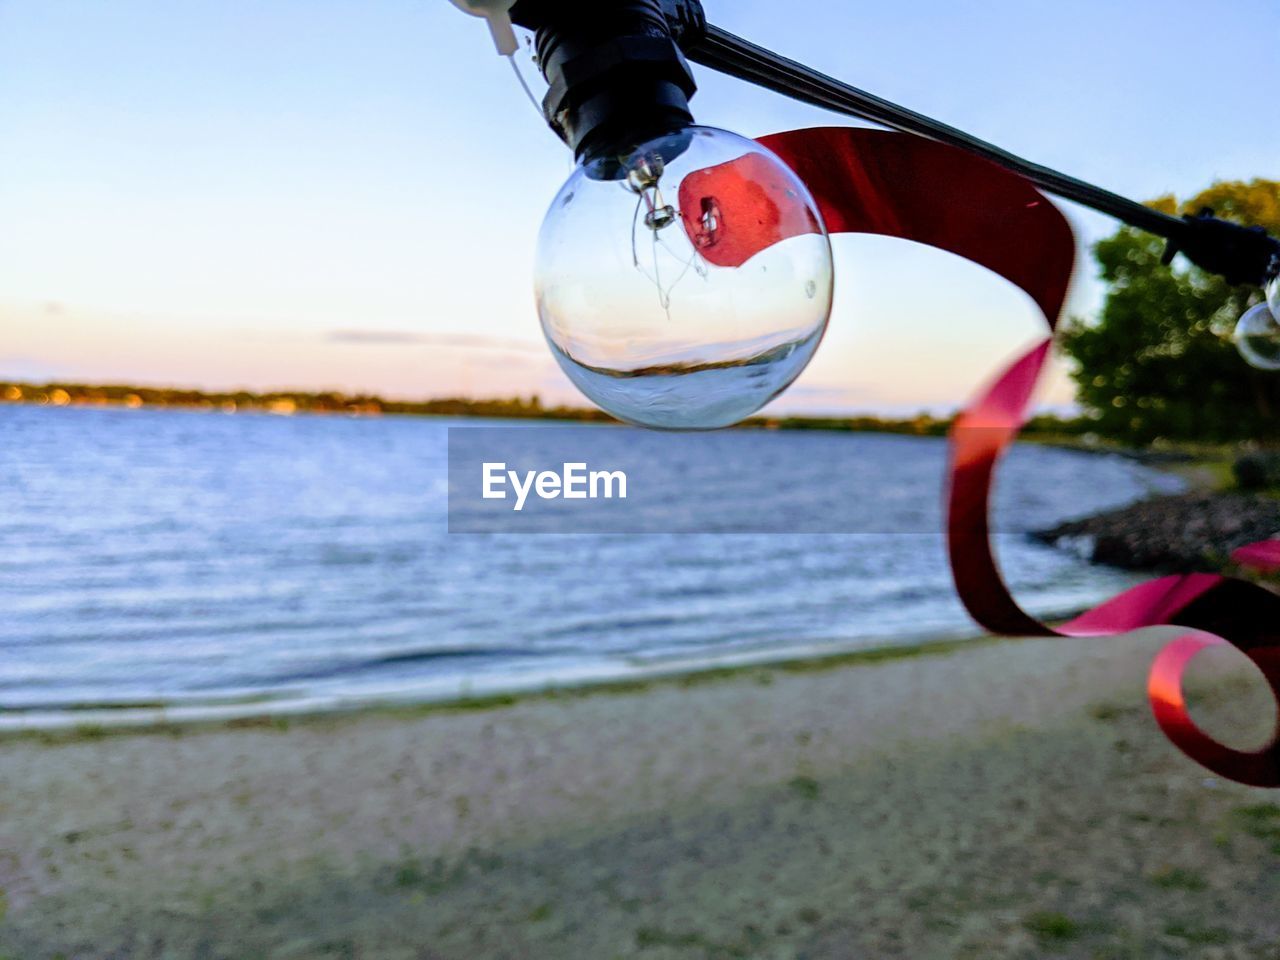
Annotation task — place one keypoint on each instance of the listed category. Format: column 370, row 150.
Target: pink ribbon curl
column 878, row 182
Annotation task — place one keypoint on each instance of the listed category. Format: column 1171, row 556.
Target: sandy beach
column 1005, row 799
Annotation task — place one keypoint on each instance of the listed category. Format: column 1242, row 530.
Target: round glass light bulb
column 1257, row 337
column 685, row 284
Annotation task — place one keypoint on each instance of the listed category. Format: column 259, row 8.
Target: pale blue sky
column 205, row 192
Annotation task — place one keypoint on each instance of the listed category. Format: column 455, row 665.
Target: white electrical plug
column 497, row 12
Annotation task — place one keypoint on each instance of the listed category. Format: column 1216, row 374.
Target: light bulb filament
column 643, row 179
column 660, row 217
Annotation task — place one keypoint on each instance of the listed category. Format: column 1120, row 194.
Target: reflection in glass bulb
column 1258, row 338
column 1273, row 295
column 685, row 284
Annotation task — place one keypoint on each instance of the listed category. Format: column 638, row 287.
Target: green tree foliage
column 1158, row 362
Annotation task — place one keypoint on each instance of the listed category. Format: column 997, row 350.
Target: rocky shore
column 1179, row 533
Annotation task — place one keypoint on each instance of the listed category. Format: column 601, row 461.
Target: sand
column 1011, row 799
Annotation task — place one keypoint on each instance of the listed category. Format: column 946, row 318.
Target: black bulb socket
column 616, row 74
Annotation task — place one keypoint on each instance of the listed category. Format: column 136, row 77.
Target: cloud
column 816, row 391
column 465, row 341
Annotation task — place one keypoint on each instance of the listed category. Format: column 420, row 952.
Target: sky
column 346, row 195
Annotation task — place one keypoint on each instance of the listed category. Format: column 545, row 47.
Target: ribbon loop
column 899, row 185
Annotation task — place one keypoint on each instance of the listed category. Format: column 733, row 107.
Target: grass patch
column 936, row 648
column 438, row 874
column 539, row 913
column 702, row 678
column 265, row 721
column 746, row 945
column 496, row 701
column 647, row 937
column 1210, row 470
column 1179, row 878
column 806, row 788
column 1051, row 929
column 1261, row 820
column 1201, row 936
column 1112, row 712
column 1261, row 817
column 409, row 873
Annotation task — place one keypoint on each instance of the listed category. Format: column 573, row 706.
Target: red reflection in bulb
column 734, row 210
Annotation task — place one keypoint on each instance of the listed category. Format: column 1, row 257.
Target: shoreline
column 96, row 721
column 1002, row 799
column 1196, row 530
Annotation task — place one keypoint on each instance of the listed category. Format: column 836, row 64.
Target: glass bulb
column 685, row 284
column 1258, row 337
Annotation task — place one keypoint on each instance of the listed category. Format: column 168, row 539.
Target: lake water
column 198, row 559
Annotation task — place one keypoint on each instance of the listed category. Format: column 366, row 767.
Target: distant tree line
column 520, row 408
column 1041, row 427
column 284, row 401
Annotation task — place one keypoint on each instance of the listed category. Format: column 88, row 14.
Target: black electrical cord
column 730, row 54
column 1240, row 254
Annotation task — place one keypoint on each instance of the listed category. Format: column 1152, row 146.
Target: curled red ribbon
column 872, row 181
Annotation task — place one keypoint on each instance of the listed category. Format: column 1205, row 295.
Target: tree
column 1158, row 362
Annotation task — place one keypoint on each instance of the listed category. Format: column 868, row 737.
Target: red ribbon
column 872, row 181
